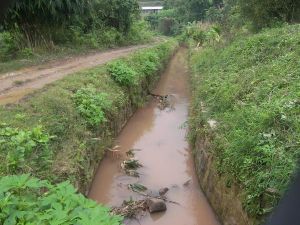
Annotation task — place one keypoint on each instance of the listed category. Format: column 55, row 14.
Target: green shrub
column 8, row 46
column 109, row 37
column 164, row 50
column 201, row 33
column 165, row 22
column 27, row 200
column 127, row 72
column 95, row 39
column 251, row 87
column 139, row 32
column 122, row 73
column 24, row 151
column 266, row 13
column 146, row 63
column 92, row 105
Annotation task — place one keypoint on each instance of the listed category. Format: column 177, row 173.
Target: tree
column 44, row 12
column 190, row 10
column 118, row 13
column 37, row 14
column 265, row 13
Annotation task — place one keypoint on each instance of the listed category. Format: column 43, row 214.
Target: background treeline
column 29, row 25
column 231, row 14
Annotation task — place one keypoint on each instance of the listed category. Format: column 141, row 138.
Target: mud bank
column 224, row 197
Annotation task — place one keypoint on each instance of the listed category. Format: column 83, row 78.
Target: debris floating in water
column 114, row 152
column 130, row 164
column 130, row 152
column 130, row 167
column 137, row 187
column 131, row 208
column 137, row 208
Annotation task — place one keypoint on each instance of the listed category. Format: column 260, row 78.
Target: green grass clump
column 130, row 71
column 252, row 88
column 27, row 200
column 136, row 71
column 91, row 105
column 122, row 73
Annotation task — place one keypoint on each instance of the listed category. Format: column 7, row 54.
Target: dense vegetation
column 60, row 133
column 33, row 29
column 27, row 200
column 251, row 88
column 267, row 12
column 234, row 16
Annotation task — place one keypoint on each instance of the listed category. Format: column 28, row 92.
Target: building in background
column 151, row 9
column 150, row 6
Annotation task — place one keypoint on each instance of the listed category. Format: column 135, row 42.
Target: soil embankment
column 224, row 198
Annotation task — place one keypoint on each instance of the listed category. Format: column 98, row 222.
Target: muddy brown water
column 164, row 153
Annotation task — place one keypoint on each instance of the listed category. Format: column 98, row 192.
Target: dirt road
column 15, row 85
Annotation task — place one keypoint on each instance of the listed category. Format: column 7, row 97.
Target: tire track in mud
column 16, row 85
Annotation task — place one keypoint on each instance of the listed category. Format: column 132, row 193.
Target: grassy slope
column 54, row 109
column 252, row 88
column 76, row 144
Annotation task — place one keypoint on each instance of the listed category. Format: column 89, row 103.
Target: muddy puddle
column 160, row 135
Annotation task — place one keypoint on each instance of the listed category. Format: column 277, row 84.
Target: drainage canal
column 157, row 133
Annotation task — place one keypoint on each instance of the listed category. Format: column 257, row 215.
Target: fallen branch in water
column 130, row 209
column 157, row 197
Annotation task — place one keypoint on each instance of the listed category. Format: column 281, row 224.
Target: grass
column 252, row 89
column 60, row 133
column 66, row 111
column 53, row 109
